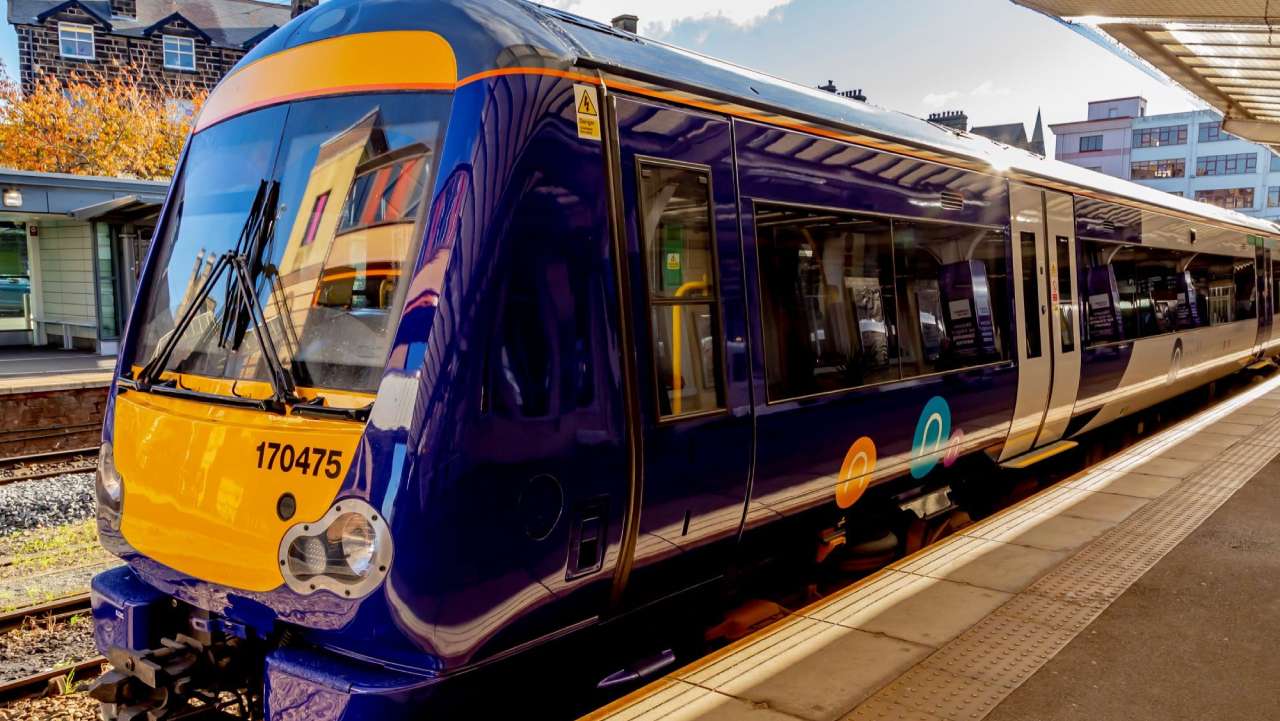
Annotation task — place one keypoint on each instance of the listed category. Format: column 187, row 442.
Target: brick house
column 176, row 44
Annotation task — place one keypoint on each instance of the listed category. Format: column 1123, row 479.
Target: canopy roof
column 1226, row 52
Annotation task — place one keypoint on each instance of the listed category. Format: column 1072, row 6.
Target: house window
column 1160, row 137
column 317, row 213
column 1090, row 143
column 1273, row 196
column 179, row 53
column 1227, row 164
column 1227, row 197
column 75, row 41
column 1211, row 132
column 1158, row 169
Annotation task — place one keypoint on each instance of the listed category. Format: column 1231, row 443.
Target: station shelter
column 71, row 249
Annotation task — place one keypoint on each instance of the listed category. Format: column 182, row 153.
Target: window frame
column 79, row 29
column 1179, row 164
column 1206, row 132
column 757, row 319
column 1090, row 138
column 715, row 299
column 178, row 52
column 1085, row 343
column 1177, row 133
column 1235, row 191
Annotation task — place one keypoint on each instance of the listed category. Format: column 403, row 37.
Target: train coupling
column 184, row 677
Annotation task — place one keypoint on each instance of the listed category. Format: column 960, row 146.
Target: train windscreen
column 317, row 203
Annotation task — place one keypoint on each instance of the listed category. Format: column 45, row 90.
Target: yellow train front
column 471, row 325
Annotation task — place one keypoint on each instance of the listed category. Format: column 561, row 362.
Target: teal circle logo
column 933, row 430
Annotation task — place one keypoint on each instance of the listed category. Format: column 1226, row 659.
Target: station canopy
column 1226, row 52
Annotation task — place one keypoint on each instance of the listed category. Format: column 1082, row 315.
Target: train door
column 1047, row 324
column 1264, row 294
column 684, row 250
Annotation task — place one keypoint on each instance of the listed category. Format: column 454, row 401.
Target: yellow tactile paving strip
column 951, row 631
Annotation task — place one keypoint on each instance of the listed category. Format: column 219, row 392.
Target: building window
column 1273, row 196
column 179, row 53
column 1275, row 163
column 1176, row 193
column 1227, row 164
column 1158, row 169
column 317, row 213
column 1212, row 132
column 1227, row 197
column 75, row 41
column 1090, row 143
column 1160, row 137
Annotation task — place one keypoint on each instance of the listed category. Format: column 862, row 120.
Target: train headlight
column 347, row 552
column 110, row 487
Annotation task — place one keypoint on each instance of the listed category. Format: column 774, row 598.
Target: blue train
column 471, row 324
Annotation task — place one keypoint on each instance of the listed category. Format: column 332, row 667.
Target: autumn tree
column 109, row 124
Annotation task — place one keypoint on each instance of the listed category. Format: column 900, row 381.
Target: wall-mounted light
column 12, row 198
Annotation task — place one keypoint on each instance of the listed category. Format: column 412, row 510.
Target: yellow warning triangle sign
column 586, row 107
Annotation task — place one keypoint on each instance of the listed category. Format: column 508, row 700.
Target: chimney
column 301, row 6
column 124, row 8
column 952, row 119
column 626, row 23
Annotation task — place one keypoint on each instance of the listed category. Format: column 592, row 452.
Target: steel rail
column 37, row 684
column 57, row 609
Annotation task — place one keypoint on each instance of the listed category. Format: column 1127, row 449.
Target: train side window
column 684, row 310
column 829, row 316
column 1066, row 299
column 1030, row 291
column 949, row 317
column 1107, row 285
column 1213, row 277
column 1246, row 290
column 1160, row 296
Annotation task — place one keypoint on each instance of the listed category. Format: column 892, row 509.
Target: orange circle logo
column 855, row 472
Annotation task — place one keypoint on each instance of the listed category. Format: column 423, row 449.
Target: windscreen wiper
column 146, row 377
column 241, row 304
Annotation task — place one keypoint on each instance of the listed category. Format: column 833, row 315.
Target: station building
column 71, row 249
column 1187, row 154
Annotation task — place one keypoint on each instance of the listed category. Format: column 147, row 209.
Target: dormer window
column 75, row 41
column 179, row 53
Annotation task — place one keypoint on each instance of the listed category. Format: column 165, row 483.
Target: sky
column 994, row 60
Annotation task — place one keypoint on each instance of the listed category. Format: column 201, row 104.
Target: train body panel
column 581, row 327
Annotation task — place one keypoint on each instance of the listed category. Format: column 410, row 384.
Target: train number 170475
column 301, row 459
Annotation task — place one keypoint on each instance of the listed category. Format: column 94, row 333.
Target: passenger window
column 1030, row 291
column 1246, row 296
column 949, row 318
column 675, row 211
column 828, row 300
column 1066, row 299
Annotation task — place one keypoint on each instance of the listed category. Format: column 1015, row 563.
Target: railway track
column 46, row 465
column 53, row 612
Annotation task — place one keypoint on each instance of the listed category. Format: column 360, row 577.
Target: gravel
column 46, row 502
column 43, row 646
column 72, row 707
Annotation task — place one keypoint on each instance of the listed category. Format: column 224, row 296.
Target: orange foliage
column 107, row 124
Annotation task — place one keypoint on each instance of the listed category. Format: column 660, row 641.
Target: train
column 471, row 325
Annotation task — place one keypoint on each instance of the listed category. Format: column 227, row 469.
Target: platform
column 1145, row 587
column 32, row 370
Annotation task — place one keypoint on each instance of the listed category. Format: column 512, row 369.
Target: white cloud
column 664, row 12
column 989, row 90
column 937, row 100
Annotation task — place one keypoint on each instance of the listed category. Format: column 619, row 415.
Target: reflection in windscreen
column 352, row 173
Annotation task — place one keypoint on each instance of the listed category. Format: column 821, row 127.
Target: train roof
column 488, row 35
